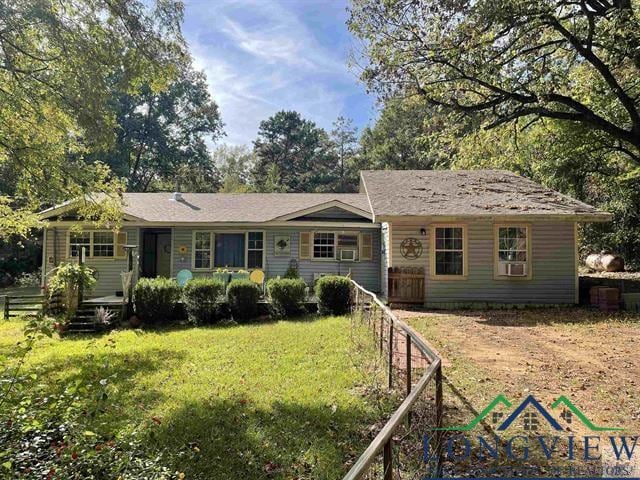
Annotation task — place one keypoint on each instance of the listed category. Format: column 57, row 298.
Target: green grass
column 275, row 399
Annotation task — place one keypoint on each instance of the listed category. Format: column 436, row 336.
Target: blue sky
column 262, row 56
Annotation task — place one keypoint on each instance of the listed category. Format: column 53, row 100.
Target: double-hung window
column 202, row 246
column 103, row 244
column 512, row 250
column 77, row 240
column 449, row 245
column 255, row 250
column 324, row 245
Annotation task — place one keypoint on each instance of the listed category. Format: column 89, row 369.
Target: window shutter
column 366, row 246
column 121, row 241
column 305, row 245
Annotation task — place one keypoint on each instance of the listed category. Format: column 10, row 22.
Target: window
column 77, row 240
column 202, row 250
column 512, row 250
column 348, row 246
column 103, row 244
column 324, row 245
column 255, row 249
column 229, row 251
column 448, row 251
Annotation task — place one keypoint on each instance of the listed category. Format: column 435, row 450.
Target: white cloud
column 259, row 57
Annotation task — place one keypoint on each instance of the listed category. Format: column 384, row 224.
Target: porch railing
column 415, row 370
column 406, row 284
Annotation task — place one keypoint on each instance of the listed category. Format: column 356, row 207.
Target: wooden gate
column 406, row 284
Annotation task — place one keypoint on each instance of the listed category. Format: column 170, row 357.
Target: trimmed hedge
column 334, row 295
column 243, row 296
column 287, row 296
column 201, row 297
column 156, row 299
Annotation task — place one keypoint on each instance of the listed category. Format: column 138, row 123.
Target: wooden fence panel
column 406, row 284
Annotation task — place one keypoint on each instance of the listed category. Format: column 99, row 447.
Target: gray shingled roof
column 230, row 207
column 466, row 193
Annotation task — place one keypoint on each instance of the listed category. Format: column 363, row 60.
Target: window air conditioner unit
column 513, row 269
column 348, row 255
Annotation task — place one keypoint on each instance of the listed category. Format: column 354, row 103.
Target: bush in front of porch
column 202, row 298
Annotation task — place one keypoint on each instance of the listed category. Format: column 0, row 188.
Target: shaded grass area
column 276, row 400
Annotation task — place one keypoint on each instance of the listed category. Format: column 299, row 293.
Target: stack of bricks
column 605, row 298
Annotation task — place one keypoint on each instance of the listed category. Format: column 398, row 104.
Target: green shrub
column 243, row 296
column 156, row 299
column 334, row 295
column 292, row 272
column 287, row 296
column 201, row 298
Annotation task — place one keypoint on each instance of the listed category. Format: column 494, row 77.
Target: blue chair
column 183, row 277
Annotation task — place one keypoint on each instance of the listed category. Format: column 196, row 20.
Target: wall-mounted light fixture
column 423, row 232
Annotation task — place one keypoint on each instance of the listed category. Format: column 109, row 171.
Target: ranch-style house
column 438, row 238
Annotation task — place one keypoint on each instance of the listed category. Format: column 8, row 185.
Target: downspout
column 43, row 280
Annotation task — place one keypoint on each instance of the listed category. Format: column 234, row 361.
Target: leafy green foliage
column 55, row 430
column 563, row 60
column 334, row 295
column 160, row 139
column 287, row 296
column 156, row 299
column 68, row 279
column 293, row 155
column 243, row 297
column 58, row 61
column 201, row 297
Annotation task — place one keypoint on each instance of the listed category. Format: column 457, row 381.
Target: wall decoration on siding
column 282, row 245
column 182, row 249
column 411, row 248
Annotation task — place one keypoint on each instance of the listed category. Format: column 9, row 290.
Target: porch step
column 84, row 319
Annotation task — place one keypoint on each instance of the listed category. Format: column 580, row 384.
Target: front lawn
column 277, row 400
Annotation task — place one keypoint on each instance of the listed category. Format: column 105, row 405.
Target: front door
column 156, row 252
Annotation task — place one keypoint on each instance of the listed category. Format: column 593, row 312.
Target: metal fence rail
column 415, row 371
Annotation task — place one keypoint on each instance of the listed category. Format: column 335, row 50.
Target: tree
column 573, row 160
column 58, row 61
column 400, row 138
column 344, row 137
column 299, row 150
column 163, row 134
column 574, row 61
column 235, row 164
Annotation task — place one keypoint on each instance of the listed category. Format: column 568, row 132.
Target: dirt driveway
column 590, row 357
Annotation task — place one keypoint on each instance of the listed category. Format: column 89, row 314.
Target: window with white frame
column 324, row 245
column 449, row 251
column 513, row 250
column 103, row 245
column 348, row 247
column 77, row 240
column 255, row 249
column 202, row 250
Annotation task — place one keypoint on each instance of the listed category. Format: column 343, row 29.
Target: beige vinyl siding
column 108, row 270
column 552, row 264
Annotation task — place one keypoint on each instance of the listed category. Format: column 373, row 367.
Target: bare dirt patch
column 590, row 357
